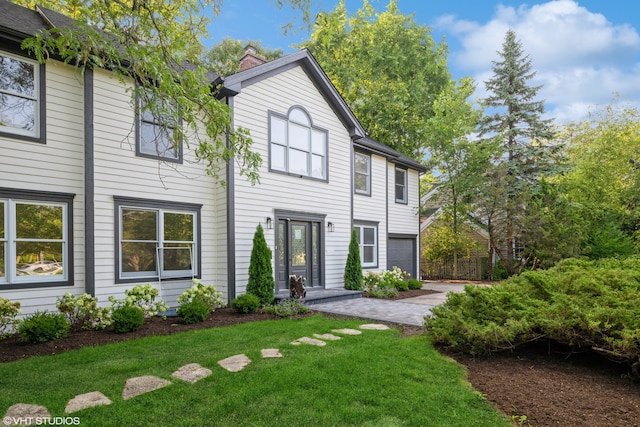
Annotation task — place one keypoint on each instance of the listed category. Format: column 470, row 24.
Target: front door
column 297, row 252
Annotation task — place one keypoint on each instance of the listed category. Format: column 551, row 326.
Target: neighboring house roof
column 436, row 212
column 306, row 60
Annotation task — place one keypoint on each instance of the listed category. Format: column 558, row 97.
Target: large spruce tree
column 514, row 123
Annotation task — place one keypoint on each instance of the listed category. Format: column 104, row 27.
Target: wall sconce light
column 330, row 227
column 269, row 223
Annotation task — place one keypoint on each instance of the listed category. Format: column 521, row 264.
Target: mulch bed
column 548, row 387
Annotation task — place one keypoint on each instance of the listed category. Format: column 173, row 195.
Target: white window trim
column 37, row 98
column 288, row 147
column 361, row 244
column 366, row 191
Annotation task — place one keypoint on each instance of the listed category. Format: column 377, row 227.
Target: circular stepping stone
column 86, row 400
column 268, row 353
column 235, row 363
column 310, row 341
column 191, row 373
column 140, row 385
column 375, row 327
column 24, row 414
column 326, row 337
column 346, row 331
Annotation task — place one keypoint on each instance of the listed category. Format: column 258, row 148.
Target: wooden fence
column 468, row 269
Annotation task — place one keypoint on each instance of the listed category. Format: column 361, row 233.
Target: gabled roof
column 303, row 58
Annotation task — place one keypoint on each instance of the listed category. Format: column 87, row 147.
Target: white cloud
column 580, row 57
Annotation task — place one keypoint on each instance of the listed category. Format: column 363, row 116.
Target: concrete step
column 319, row 296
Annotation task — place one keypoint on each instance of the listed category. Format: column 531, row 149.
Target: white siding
column 278, row 191
column 373, row 208
column 119, row 172
column 403, row 218
column 56, row 166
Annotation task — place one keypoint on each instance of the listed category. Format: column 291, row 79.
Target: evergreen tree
column 261, row 282
column 525, row 152
column 353, row 269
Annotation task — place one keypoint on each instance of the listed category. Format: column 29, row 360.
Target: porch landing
column 318, row 296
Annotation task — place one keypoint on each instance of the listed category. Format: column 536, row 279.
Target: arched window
column 296, row 146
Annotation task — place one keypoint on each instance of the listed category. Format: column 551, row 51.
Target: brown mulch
column 539, row 382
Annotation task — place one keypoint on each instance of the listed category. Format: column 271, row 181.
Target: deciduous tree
column 224, row 57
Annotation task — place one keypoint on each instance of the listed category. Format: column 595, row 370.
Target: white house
column 89, row 203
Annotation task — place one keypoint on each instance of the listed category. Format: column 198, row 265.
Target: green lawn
column 378, row 378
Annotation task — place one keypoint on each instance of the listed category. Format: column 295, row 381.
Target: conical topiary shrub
column 353, row 269
column 261, row 282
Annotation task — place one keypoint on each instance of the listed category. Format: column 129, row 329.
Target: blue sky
column 585, row 53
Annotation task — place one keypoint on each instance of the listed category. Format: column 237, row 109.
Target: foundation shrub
column 127, row 318
column 414, row 284
column 43, row 326
column 195, row 310
column 246, row 303
column 83, row 312
column 9, row 310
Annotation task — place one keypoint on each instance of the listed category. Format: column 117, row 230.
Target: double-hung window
column 296, row 146
column 35, row 239
column 401, row 185
column 367, row 235
column 156, row 239
column 21, row 97
column 362, row 173
column 157, row 130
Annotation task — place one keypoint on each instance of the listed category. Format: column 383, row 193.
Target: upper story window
column 157, row 136
column 21, row 98
column 401, row 186
column 367, row 235
column 156, row 239
column 362, row 173
column 35, row 239
column 296, row 146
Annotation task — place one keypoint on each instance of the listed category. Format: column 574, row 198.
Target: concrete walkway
column 409, row 311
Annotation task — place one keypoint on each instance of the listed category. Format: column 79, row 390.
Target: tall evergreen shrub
column 261, row 282
column 353, row 270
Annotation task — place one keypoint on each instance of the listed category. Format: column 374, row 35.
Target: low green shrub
column 143, row 297
column 287, row 308
column 577, row 303
column 400, row 285
column 382, row 292
column 43, row 326
column 246, row 303
column 208, row 293
column 194, row 311
column 83, row 312
column 414, row 284
column 127, row 318
column 8, row 312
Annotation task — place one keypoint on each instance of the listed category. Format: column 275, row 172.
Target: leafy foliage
column 82, row 312
column 582, row 304
column 261, row 282
column 194, row 310
column 8, row 312
column 43, row 326
column 127, row 318
column 414, row 284
column 207, row 293
column 287, row 308
column 143, row 297
column 388, row 69
column 353, row 267
column 246, row 303
column 224, row 57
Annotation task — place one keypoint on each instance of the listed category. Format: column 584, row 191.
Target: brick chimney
column 250, row 58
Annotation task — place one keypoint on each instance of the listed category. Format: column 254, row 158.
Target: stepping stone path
column 191, row 373
column 140, row 385
column 326, row 337
column 347, row 331
column 19, row 413
column 235, row 363
column 268, row 353
column 87, row 400
column 310, row 341
column 374, row 327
